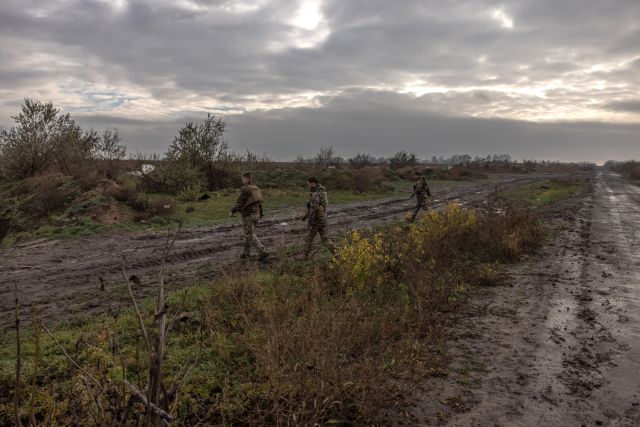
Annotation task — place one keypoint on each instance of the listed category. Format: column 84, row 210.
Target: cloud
column 381, row 123
column 158, row 61
column 632, row 106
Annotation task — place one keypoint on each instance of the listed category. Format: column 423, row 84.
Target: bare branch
column 140, row 395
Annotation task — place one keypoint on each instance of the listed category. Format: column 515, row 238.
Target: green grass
column 539, row 194
column 215, row 211
column 274, row 342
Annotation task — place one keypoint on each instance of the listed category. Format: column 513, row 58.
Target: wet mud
column 559, row 343
column 80, row 277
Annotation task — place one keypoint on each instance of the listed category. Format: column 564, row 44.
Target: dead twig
column 154, row 408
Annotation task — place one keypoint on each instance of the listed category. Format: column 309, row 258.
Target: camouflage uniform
column 249, row 204
column 421, row 192
column 317, row 217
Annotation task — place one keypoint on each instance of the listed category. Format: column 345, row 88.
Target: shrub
column 402, row 159
column 47, row 199
column 172, row 177
column 43, row 138
column 190, row 194
column 439, row 244
column 361, row 160
column 126, row 193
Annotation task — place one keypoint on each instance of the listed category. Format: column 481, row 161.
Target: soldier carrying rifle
column 316, row 216
column 249, row 204
column 420, row 192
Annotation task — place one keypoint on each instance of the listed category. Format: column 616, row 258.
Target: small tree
column 111, row 152
column 361, row 160
column 201, row 145
column 326, row 156
column 43, row 138
column 402, row 158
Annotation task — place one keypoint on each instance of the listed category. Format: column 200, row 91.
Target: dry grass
column 302, row 344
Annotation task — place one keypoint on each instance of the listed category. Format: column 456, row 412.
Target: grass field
column 543, row 193
column 310, row 342
column 209, row 212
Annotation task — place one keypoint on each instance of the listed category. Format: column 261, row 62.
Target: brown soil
column 559, row 344
column 64, row 277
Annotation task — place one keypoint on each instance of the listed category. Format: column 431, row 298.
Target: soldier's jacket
column 249, row 201
column 420, row 188
column 317, row 206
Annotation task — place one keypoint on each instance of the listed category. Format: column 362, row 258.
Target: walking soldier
column 421, row 192
column 249, row 204
column 316, row 216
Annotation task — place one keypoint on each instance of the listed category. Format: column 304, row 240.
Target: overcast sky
column 544, row 79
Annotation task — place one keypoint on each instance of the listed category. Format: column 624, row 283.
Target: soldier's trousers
column 249, row 223
column 421, row 203
column 313, row 230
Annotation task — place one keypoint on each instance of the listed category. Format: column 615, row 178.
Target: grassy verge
column 543, row 193
column 213, row 211
column 330, row 342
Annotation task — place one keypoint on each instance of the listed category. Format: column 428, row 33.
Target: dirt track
column 62, row 276
column 560, row 344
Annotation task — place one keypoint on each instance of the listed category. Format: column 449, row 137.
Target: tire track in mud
column 560, row 345
column 62, row 277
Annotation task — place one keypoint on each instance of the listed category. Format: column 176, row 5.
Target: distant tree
column 201, row 146
column 43, row 138
column 402, row 158
column 326, row 156
column 361, row 160
column 503, row 158
column 200, row 143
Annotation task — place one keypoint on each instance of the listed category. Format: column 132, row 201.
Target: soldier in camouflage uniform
column 316, row 216
column 249, row 204
column 420, row 192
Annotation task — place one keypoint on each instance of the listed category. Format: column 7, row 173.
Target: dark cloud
column 150, row 63
column 632, row 106
column 381, row 123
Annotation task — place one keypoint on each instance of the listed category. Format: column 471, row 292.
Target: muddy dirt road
column 560, row 344
column 62, row 277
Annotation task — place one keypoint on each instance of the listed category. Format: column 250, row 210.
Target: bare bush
column 361, row 160
column 172, row 177
column 402, row 159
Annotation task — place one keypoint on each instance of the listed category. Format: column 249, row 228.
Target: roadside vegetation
column 542, row 193
column 58, row 180
column 339, row 341
column 629, row 168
